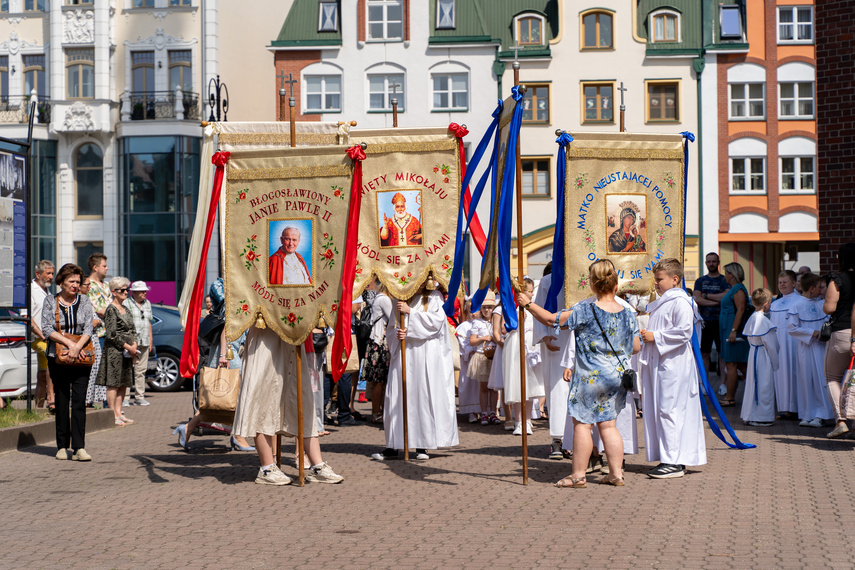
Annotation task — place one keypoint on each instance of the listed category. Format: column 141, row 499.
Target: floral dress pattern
column 115, row 370
column 596, row 394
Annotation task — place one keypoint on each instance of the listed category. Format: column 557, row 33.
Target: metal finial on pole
column 622, row 107
column 394, row 86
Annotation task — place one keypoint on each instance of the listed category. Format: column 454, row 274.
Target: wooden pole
column 282, row 95
column 403, row 325
column 300, row 434
column 277, row 445
column 622, row 108
column 521, row 327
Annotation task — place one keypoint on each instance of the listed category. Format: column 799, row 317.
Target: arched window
column 597, row 30
column 529, row 30
column 665, row 27
column 181, row 70
column 80, row 69
column 142, row 68
column 34, row 75
column 89, row 180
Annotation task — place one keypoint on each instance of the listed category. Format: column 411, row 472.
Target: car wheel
column 167, row 377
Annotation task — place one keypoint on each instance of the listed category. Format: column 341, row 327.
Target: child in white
column 511, row 371
column 804, row 320
column 670, row 389
column 758, row 403
column 468, row 389
column 786, row 385
column 480, row 366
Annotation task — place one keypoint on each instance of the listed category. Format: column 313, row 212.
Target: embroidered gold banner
column 623, row 202
column 410, row 195
column 284, row 238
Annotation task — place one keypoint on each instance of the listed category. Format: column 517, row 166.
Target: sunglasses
column 125, row 290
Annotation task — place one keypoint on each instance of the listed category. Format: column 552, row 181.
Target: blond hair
column 670, row 266
column 604, row 278
column 761, row 296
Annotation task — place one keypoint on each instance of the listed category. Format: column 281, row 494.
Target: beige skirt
column 268, row 392
column 479, row 367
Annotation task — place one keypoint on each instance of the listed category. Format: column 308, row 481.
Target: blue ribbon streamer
column 557, row 282
column 696, row 347
column 460, row 241
column 756, row 350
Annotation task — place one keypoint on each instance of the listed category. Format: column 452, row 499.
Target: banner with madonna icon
column 285, row 231
column 624, row 201
column 410, row 192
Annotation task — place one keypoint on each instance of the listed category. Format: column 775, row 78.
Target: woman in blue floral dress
column 596, row 394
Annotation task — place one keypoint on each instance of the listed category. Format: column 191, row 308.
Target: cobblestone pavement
column 144, row 503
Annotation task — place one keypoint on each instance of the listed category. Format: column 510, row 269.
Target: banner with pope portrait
column 286, row 212
column 624, row 201
column 410, row 196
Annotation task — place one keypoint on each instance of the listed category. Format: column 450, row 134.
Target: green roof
column 301, row 27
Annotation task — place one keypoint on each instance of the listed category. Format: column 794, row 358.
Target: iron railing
column 160, row 105
column 15, row 109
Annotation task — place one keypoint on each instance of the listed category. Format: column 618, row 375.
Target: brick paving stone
column 145, row 503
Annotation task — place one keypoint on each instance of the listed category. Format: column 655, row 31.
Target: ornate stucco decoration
column 79, row 27
column 78, row 117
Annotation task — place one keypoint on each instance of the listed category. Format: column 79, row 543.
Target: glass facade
column 159, row 186
column 43, row 196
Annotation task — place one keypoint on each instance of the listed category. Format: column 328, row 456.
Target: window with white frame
column 748, row 175
column 34, row 74
column 181, row 69
column 796, row 100
column 4, row 78
column 747, row 100
column 80, row 73
column 142, row 71
column 446, row 14
column 381, row 90
column 665, row 26
column 529, row 30
column 385, row 20
column 795, row 24
column 323, row 93
column 450, row 91
column 328, row 16
column 798, row 174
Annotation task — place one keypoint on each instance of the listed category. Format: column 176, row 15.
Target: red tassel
column 190, row 347
column 475, row 228
column 342, row 342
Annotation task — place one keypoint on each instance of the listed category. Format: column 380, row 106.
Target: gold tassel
column 259, row 322
column 230, row 354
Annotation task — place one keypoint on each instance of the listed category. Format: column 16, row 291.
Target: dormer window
column 529, row 30
column 731, row 22
column 665, row 26
column 385, row 20
column 328, row 16
column 445, row 14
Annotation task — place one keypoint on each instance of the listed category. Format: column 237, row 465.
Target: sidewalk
column 145, row 503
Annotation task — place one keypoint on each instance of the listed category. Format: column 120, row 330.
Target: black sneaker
column 666, row 471
column 349, row 422
column 387, row 454
column 556, row 452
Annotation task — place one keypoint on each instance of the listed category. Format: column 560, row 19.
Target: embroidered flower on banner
column 328, row 252
column 660, row 237
column 334, row 306
column 241, row 196
column 357, row 273
column 669, row 180
column 338, row 192
column 582, row 283
column 444, row 169
column 403, row 279
column 243, row 307
column 250, row 252
column 590, row 242
column 291, row 319
column 581, row 180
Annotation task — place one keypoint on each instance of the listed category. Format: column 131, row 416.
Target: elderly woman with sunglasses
column 116, row 371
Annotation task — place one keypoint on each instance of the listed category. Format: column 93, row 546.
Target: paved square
column 144, row 503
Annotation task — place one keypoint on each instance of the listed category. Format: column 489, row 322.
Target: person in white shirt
column 38, row 292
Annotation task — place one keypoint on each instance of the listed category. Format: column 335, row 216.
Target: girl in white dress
column 468, row 389
column 480, row 366
column 511, row 370
column 758, row 403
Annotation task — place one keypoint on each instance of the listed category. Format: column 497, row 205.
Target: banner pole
column 300, row 444
column 520, row 269
column 402, row 323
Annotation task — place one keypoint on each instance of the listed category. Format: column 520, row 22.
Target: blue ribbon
column 557, row 282
column 460, row 241
column 756, row 350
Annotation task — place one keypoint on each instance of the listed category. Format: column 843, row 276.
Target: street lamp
column 216, row 89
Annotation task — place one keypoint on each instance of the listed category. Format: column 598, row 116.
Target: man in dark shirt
column 708, row 292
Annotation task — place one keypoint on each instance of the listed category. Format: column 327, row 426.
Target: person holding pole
column 266, row 406
column 606, row 337
column 431, row 413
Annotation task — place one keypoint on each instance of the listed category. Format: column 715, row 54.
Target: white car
column 13, row 357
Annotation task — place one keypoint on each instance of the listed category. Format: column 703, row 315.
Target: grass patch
column 11, row 417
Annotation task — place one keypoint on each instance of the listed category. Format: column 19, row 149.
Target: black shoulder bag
column 628, row 379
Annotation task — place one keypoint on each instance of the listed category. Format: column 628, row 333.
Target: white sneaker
column 517, row 428
column 473, row 418
column 63, row 454
column 141, row 402
column 528, row 427
column 722, row 390
column 422, row 456
column 272, row 476
column 805, row 423
column 816, row 422
column 323, row 474
column 81, row 455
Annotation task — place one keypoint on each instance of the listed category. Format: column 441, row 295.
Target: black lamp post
column 218, row 97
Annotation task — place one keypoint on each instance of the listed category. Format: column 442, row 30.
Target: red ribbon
column 190, row 346
column 342, row 342
column 475, row 228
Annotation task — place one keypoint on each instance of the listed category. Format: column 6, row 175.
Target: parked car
column 163, row 373
column 13, row 358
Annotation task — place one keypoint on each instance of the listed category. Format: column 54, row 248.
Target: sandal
column 377, row 418
column 51, row 408
column 617, row 481
column 120, row 423
column 727, row 403
column 126, row 420
column 570, row 483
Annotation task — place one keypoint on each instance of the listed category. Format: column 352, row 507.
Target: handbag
column 489, row 350
column 847, row 396
column 86, row 356
column 825, row 331
column 219, row 389
column 628, row 378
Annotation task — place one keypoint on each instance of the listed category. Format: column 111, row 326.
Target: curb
column 44, row 432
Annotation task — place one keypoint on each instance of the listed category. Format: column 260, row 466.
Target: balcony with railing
column 15, row 109
column 159, row 105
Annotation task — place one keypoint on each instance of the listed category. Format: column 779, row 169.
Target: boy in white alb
column 468, row 399
column 670, row 389
column 786, row 386
column 758, row 403
column 804, row 320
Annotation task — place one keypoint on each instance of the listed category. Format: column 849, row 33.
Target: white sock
column 318, row 466
column 266, row 467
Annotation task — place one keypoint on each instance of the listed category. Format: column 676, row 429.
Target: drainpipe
column 698, row 65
